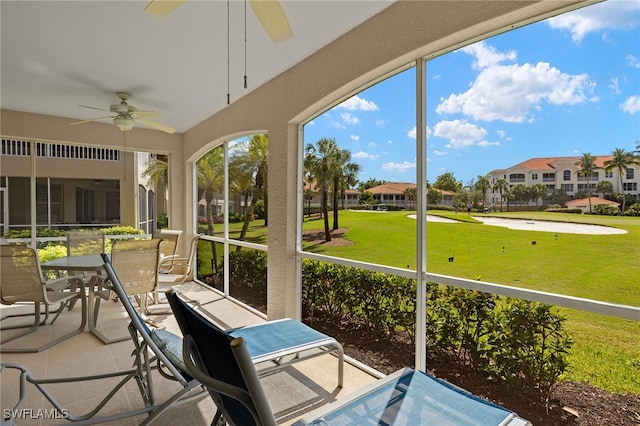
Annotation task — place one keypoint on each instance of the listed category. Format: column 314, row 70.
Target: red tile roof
column 594, row 202
column 549, row 163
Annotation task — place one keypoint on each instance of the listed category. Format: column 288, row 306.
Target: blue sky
column 560, row 87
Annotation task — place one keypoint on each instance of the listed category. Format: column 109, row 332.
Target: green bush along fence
column 519, row 342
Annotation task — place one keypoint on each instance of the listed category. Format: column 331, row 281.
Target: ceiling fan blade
column 157, row 126
column 146, row 114
column 91, row 119
column 272, row 18
column 90, row 107
column 163, row 7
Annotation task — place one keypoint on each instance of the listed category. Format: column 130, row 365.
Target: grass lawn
column 606, row 352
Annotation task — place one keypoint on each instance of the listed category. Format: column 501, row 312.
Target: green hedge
column 522, row 343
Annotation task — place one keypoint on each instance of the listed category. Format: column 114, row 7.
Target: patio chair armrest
column 58, row 284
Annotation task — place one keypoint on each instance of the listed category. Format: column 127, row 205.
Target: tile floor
column 292, row 391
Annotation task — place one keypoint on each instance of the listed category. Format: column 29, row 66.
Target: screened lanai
column 187, row 82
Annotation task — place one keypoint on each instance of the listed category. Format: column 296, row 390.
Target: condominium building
column 562, row 173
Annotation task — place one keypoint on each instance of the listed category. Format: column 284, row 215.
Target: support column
column 282, row 294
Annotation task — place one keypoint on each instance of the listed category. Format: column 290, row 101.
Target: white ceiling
column 57, row 55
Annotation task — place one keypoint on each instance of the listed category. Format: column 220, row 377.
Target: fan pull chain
column 228, row 57
column 245, row 44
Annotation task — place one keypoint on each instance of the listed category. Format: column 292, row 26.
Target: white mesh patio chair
column 21, row 282
column 136, row 263
column 180, row 268
column 157, row 356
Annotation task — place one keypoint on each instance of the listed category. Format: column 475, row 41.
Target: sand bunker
column 549, row 226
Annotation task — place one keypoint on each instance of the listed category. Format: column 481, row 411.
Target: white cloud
column 398, row 167
column 613, row 14
column 615, row 88
column 389, row 141
column 486, row 55
column 511, row 92
column 350, row 119
column 436, row 152
column 633, row 61
column 355, row 137
column 486, row 144
column 365, row 156
column 381, row 122
column 460, row 133
column 372, row 144
column 357, row 103
column 631, row 105
column 412, row 133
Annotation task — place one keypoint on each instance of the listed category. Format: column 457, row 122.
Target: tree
column 211, row 182
column 447, row 181
column 483, row 185
column 502, row 186
column 317, row 164
column 621, row 161
column 308, row 196
column 249, row 166
column 539, row 191
column 370, row 183
column 520, row 193
column 587, row 166
column 157, row 170
column 434, row 196
column 605, row 188
column 344, row 175
column 410, row 195
column 559, row 197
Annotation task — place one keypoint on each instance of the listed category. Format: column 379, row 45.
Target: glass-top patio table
column 411, row 397
column 83, row 263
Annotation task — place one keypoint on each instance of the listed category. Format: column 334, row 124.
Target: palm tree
column 502, row 186
column 317, row 164
column 211, row 182
column 343, row 175
column 410, row 194
column 483, row 185
column 587, row 165
column 249, row 166
column 539, row 191
column 157, row 170
column 621, row 161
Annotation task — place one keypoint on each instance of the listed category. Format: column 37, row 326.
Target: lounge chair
column 21, row 282
column 222, row 363
column 276, row 344
column 154, row 350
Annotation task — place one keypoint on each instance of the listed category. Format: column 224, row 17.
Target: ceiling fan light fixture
column 125, row 124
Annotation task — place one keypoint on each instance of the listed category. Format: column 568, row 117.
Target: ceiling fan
column 269, row 13
column 125, row 116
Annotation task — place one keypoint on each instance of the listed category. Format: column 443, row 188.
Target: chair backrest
column 21, row 277
column 170, row 239
column 191, row 256
column 136, row 263
column 223, row 365
column 156, row 340
column 85, row 242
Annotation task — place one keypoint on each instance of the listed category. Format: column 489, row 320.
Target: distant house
column 394, row 194
column 583, row 203
column 350, row 198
